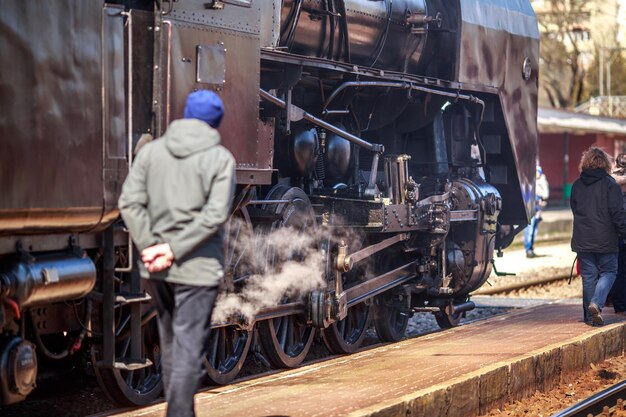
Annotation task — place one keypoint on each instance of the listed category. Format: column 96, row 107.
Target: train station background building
column 563, row 136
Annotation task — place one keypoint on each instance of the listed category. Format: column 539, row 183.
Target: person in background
column 174, row 202
column 618, row 291
column 542, row 192
column 599, row 219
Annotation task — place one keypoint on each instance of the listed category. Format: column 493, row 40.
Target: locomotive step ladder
column 112, row 301
column 124, row 298
column 128, row 364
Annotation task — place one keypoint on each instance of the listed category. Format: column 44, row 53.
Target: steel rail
column 595, row 404
column 519, row 285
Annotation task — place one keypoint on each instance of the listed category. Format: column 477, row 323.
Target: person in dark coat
column 618, row 292
column 174, row 202
column 599, row 219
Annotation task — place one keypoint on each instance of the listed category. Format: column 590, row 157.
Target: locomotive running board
column 379, row 284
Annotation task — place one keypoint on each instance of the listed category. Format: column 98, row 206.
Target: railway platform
column 556, row 224
column 461, row 372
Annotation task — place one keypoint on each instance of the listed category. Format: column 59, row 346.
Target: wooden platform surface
column 459, row 372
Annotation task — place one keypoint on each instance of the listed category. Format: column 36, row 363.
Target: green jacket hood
column 185, row 137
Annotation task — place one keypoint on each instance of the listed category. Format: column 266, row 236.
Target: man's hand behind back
column 158, row 257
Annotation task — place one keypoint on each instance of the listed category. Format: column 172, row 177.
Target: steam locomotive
column 410, row 124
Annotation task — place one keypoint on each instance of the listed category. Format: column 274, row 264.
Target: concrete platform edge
column 490, row 387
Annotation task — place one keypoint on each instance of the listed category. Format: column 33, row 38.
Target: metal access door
column 198, row 47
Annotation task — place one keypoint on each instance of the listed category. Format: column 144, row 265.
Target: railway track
column 533, row 282
column 607, row 403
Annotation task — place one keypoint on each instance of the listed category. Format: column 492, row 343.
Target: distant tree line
column 571, row 51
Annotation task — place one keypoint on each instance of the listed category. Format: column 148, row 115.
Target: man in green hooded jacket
column 174, row 202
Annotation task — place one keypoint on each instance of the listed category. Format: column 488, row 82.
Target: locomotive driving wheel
column 132, row 387
column 228, row 346
column 287, row 340
column 227, row 350
column 391, row 309
column 346, row 336
column 390, row 315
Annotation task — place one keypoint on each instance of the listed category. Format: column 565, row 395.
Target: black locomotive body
column 401, row 134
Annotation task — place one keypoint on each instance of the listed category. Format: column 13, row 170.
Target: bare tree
column 614, row 60
column 563, row 36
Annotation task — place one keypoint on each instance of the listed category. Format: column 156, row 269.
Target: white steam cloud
column 282, row 264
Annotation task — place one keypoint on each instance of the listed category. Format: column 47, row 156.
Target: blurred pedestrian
column 174, row 202
column 617, row 296
column 599, row 219
column 542, row 192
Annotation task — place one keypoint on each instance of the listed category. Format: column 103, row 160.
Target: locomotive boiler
column 399, row 134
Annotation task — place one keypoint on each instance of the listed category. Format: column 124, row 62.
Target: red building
column 563, row 136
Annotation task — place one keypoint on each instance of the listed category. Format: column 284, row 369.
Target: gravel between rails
column 543, row 404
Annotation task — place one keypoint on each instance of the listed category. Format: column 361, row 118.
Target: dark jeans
column 598, row 271
column 184, row 313
column 618, row 292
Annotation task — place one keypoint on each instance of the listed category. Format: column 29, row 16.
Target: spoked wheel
column 346, row 336
column 140, row 386
column 237, row 233
column 445, row 320
column 287, row 340
column 391, row 315
column 228, row 348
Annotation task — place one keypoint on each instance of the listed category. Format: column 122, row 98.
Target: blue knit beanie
column 206, row 106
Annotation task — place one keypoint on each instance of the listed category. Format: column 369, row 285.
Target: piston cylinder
column 47, row 278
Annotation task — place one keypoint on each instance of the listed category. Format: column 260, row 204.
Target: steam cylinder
column 47, row 278
column 381, row 33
